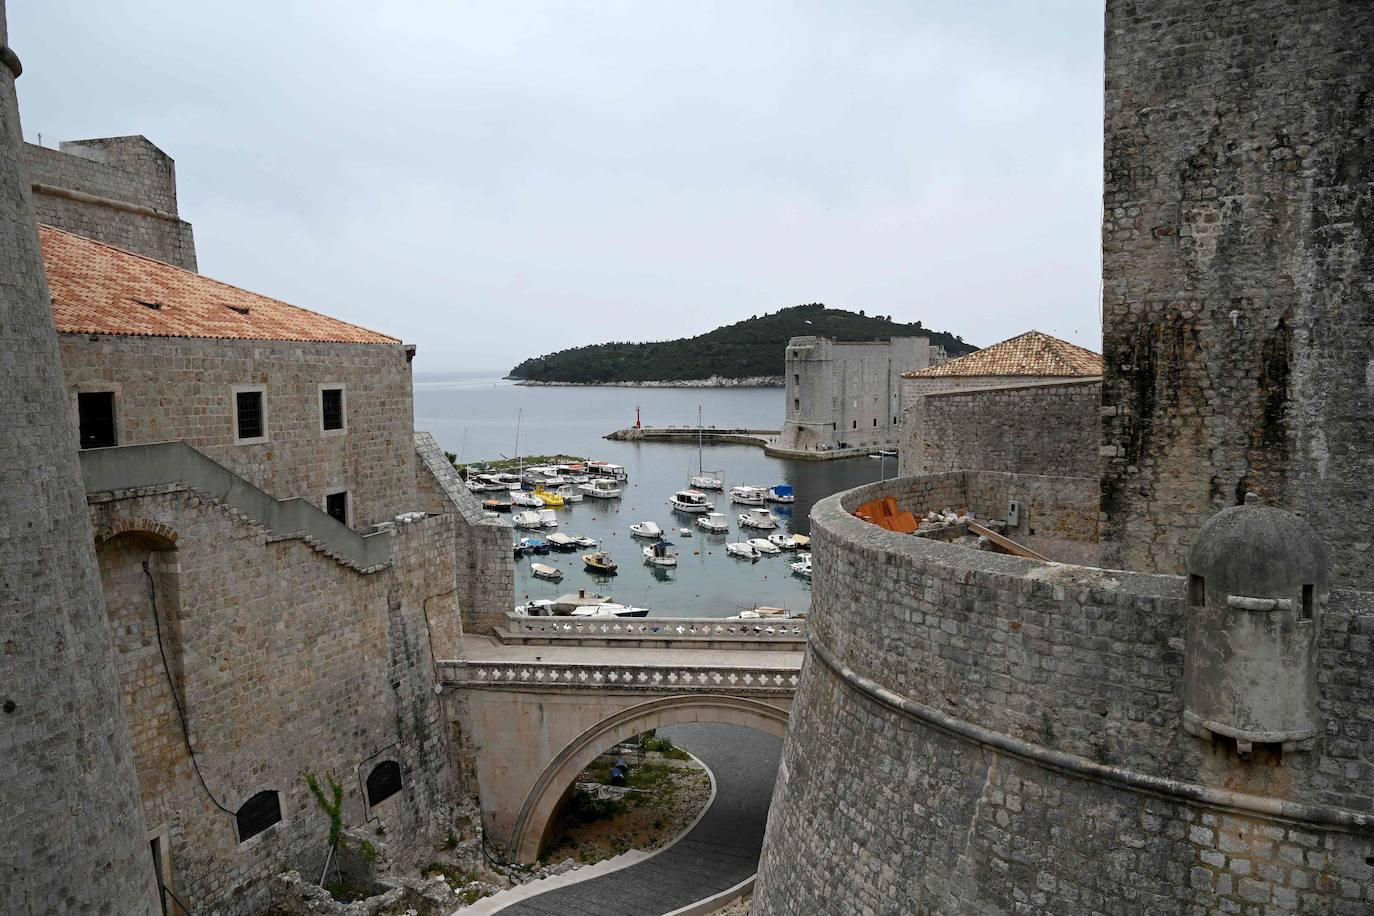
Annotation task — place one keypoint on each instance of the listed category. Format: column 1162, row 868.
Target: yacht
column 646, row 530
column 758, row 518
column 661, row 554
column 743, row 549
column 781, row 493
column 783, row 541
column 763, row 545
column 525, row 498
column 703, row 479
column 748, row 496
column 693, row 501
column 601, row 488
column 527, row 518
column 714, row 522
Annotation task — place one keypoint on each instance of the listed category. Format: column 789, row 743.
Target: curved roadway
column 719, row 852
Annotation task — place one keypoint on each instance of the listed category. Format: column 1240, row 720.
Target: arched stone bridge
column 535, row 704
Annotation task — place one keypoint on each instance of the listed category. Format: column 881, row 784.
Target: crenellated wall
column 990, row 732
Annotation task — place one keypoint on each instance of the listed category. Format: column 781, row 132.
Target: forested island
column 750, row 350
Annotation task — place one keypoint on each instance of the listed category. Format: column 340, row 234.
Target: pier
column 766, row 439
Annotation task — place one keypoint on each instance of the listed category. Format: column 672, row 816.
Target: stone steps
column 498, row 902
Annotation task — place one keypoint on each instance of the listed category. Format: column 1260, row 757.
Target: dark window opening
column 248, row 409
column 383, row 782
column 796, row 403
column 155, row 844
column 854, row 424
column 96, row 410
column 894, row 421
column 796, row 379
column 336, row 504
column 257, row 814
column 1197, row 591
column 875, row 421
column 332, row 408
column 1308, row 597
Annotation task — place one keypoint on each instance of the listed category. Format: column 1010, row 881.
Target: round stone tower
column 74, row 838
column 1257, row 580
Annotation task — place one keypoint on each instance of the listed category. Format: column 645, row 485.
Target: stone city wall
column 1238, row 238
column 1048, row 428
column 1018, row 726
column 118, row 190
column 183, row 388
column 285, row 663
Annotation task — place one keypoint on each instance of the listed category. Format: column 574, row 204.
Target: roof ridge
column 1051, row 357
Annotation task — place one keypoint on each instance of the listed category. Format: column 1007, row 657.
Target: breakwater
column 711, row 434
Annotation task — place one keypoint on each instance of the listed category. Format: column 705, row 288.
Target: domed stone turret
column 1257, row 579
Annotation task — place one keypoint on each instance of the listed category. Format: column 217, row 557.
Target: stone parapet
column 786, row 634
column 727, row 678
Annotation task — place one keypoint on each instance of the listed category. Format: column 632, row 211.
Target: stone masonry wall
column 170, row 388
column 74, row 838
column 285, row 663
column 949, row 670
column 105, row 174
column 1050, row 428
column 1238, row 271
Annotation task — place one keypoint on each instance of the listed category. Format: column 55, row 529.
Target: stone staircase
column 497, row 902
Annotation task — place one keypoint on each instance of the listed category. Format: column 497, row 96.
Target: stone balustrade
column 685, row 630
column 580, row 676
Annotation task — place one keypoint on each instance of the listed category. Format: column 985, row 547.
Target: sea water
column 476, row 416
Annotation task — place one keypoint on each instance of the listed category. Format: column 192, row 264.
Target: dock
column 765, row 439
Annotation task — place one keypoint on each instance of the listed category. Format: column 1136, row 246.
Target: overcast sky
column 496, row 180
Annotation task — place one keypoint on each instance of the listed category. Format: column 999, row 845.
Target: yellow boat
column 549, row 499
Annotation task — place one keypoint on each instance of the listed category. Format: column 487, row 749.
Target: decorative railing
column 707, row 678
column 786, row 629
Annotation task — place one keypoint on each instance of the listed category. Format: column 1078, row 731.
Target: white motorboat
column 570, row 494
column 803, row 566
column 610, row 610
column 527, row 519
column 548, row 518
column 713, row 522
column 583, row 541
column 525, row 498
column 684, row 532
column 561, row 541
column 601, row 488
column 888, row 452
column 545, row 571
column 758, row 518
column 606, row 469
column 504, row 481
column 784, row 541
column 781, row 493
column 743, row 549
column 661, row 554
column 692, row 501
column 748, row 496
column 646, row 530
column 763, row 545
column 760, row 613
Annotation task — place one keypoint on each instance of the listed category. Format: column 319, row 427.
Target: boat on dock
column 646, row 530
column 713, row 523
column 545, row 571
column 760, row 519
column 748, row 496
column 691, row 501
column 781, row 493
column 600, row 561
column 601, row 488
column 661, row 554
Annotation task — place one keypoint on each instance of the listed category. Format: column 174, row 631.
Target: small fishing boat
column 548, row 498
column 561, row 541
column 763, row 545
column 527, row 519
column 496, row 504
column 743, row 549
column 888, row 452
column 803, row 566
column 646, row 530
column 691, row 501
column 781, row 493
column 544, row 571
column 758, row 518
column 548, row 518
column 601, row 488
column 748, row 496
column 661, row 554
column 713, row 522
column 570, row 493
column 783, row 541
column 599, row 562
column 684, row 532
column 525, row 498
column 584, row 541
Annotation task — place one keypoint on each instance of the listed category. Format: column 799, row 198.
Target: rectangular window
column 1197, row 591
column 796, row 378
column 854, row 424
column 796, row 404
column 336, row 504
column 96, row 412
column 894, row 421
column 875, row 421
column 250, row 422
column 1308, row 599
column 332, row 408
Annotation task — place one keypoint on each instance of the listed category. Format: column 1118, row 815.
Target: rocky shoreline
column 715, row 381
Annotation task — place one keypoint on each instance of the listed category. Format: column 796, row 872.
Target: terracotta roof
column 1030, row 354
column 99, row 289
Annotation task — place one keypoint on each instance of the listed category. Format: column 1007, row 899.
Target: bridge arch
column 557, row 776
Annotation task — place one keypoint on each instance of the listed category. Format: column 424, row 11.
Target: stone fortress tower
column 75, row 839
column 1181, row 725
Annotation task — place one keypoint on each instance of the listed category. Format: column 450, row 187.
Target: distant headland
column 746, row 354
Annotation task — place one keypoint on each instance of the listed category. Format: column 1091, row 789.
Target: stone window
column 250, row 414
column 333, row 413
column 894, row 421
column 336, row 504
column 796, row 378
column 1197, row 590
column 257, row 814
column 796, row 404
column 383, row 782
column 853, row 424
column 1308, row 599
column 875, row 421
column 96, row 412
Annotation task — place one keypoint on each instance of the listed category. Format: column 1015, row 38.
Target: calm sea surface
column 475, row 416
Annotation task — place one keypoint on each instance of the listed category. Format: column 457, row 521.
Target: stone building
column 990, row 409
column 978, row 732
column 847, row 395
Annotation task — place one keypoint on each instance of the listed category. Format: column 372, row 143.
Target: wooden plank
column 1004, row 542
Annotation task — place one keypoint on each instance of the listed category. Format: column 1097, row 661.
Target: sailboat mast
column 700, row 465
column 520, row 464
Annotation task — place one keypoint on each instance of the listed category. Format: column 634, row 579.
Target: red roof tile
column 1030, row 354
column 99, row 289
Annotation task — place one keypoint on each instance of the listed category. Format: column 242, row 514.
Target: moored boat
column 527, row 519
column 600, row 561
column 525, row 498
column 803, row 566
column 781, row 493
column 691, row 501
column 713, row 523
column 496, row 504
column 784, row 541
column 601, row 488
column 548, row 498
column 584, row 541
column 748, row 496
column 661, row 554
column 646, row 530
column 560, row 541
column 530, row 545
column 803, row 541
column 548, row 518
column 606, row 469
column 545, row 571
column 761, row 519
column 570, row 493
column 743, row 549
column 763, row 545
column 610, row 610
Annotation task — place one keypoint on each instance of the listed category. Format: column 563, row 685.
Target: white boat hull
column 692, row 508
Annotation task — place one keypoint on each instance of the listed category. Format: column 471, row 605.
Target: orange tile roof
column 1030, row 354
column 99, row 289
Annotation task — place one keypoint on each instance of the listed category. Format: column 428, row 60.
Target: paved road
column 720, row 851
